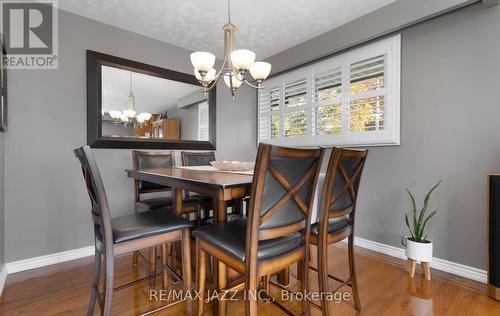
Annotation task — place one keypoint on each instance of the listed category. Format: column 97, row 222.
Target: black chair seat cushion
column 160, row 202
column 334, row 225
column 231, row 236
column 139, row 225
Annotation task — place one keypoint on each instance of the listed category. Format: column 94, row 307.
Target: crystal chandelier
column 130, row 114
column 235, row 66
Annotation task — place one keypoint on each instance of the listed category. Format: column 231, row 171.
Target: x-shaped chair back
column 342, row 182
column 282, row 191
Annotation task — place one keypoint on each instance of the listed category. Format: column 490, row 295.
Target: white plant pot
column 419, row 251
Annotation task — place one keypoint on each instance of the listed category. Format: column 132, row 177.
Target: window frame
column 389, row 47
column 203, row 106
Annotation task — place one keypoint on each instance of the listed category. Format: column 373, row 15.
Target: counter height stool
column 149, row 160
column 276, row 232
column 124, row 234
column 336, row 218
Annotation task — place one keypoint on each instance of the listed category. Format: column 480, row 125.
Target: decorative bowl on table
column 232, row 165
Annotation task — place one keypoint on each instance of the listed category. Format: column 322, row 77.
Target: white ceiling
column 152, row 94
column 264, row 26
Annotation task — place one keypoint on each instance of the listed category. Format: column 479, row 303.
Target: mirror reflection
column 142, row 106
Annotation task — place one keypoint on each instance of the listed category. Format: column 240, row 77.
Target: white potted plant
column 418, row 247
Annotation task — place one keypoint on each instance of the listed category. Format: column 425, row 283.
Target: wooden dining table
column 221, row 186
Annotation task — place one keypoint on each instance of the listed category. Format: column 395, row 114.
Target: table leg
column 177, row 204
column 238, row 206
column 177, row 195
column 220, row 208
column 284, row 276
column 220, row 277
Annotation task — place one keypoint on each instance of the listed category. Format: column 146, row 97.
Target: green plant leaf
column 420, row 221
column 409, row 228
column 427, row 219
column 414, row 210
column 428, row 195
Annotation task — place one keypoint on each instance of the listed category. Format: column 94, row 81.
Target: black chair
column 197, row 158
column 276, row 233
column 336, row 218
column 125, row 234
column 150, row 160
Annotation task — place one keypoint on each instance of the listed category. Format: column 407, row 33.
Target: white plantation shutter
column 349, row 99
column 294, row 109
column 269, row 116
column 327, row 103
column 366, row 95
column 203, row 121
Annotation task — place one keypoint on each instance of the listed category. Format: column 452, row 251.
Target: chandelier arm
column 217, row 76
column 252, row 85
column 210, row 87
column 214, row 82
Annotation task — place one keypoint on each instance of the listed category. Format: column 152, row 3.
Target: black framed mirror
column 136, row 105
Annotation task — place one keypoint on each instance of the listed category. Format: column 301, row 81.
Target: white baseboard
column 42, row 261
column 3, row 277
column 436, row 263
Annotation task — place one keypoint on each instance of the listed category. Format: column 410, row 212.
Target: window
column 203, row 121
column 349, row 99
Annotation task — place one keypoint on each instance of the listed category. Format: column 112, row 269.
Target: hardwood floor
column 385, row 289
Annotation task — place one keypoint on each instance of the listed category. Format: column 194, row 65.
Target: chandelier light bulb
column 209, row 76
column 202, row 61
column 242, row 59
column 124, row 118
column 145, row 116
column 236, row 82
column 115, row 114
column 260, row 70
column 129, row 114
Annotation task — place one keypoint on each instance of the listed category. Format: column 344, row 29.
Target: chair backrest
column 197, row 158
column 97, row 195
column 283, row 187
column 341, row 185
column 149, row 160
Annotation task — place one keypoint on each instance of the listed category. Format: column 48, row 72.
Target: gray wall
column 382, row 21
column 188, row 117
column 449, row 131
column 237, row 124
column 46, row 207
column 109, row 128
